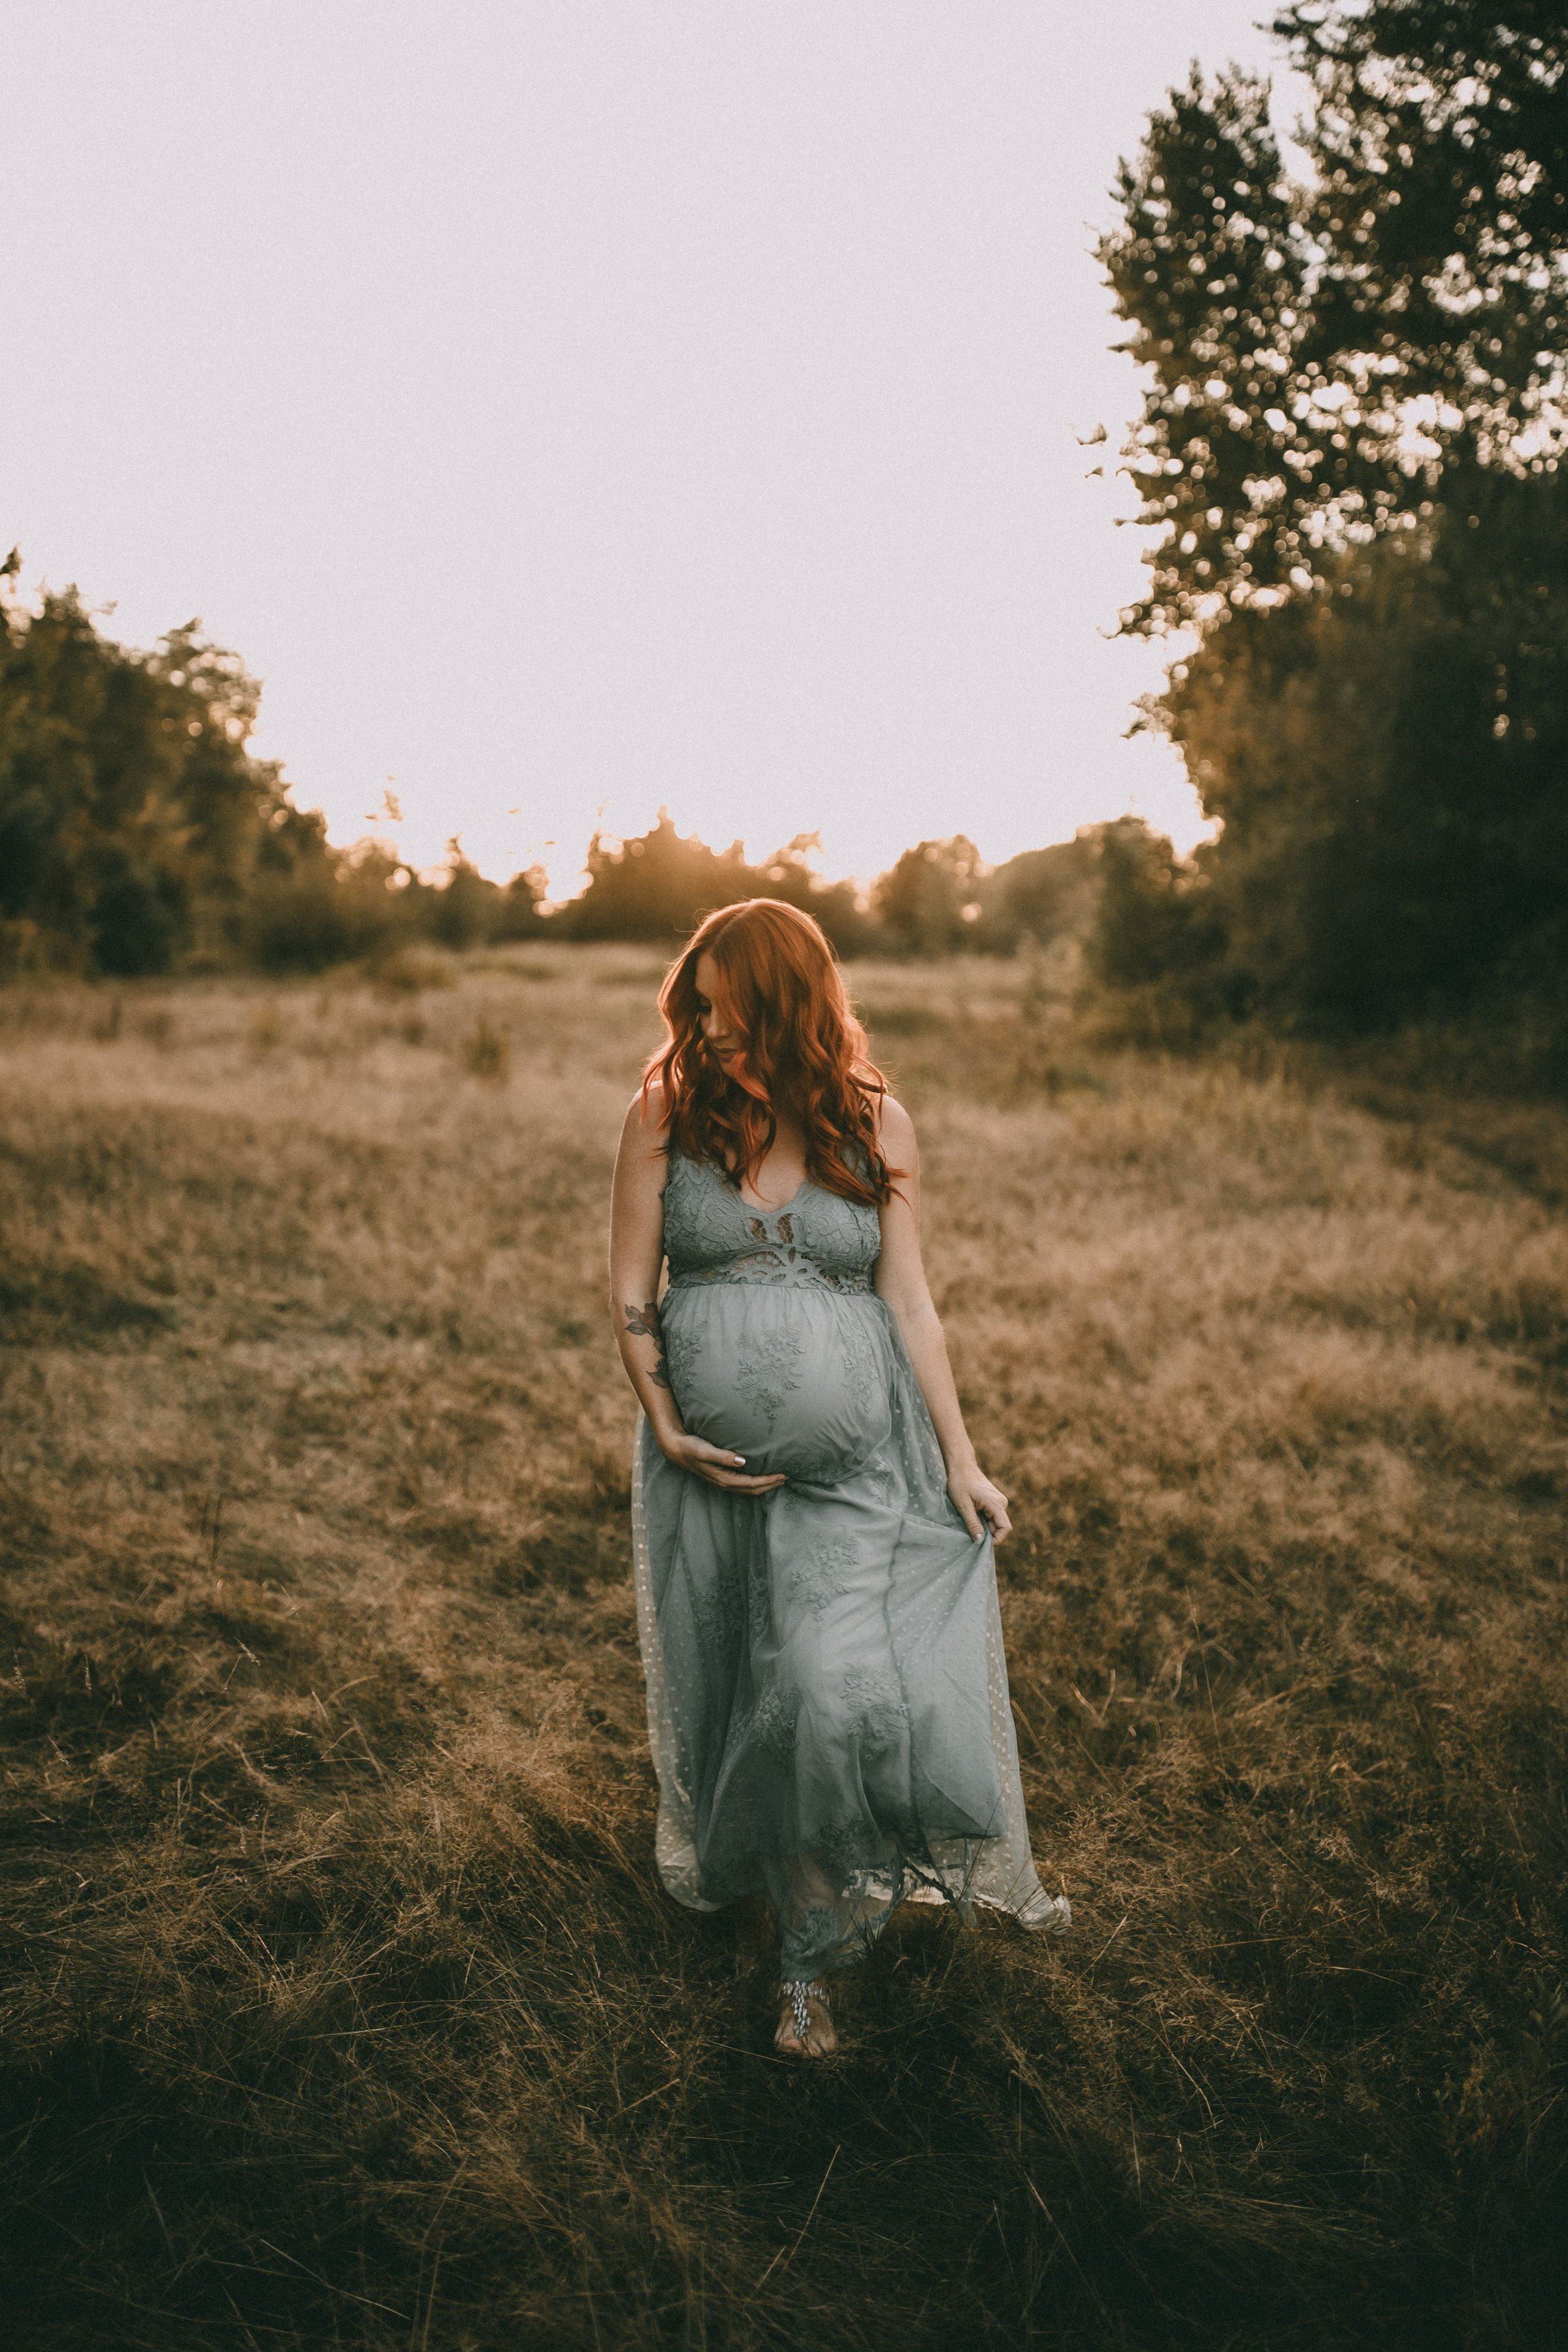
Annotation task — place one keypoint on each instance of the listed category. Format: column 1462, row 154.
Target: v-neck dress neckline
column 760, row 1209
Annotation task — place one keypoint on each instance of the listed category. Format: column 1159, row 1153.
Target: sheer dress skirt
column 826, row 1691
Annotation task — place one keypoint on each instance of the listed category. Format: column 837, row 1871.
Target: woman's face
column 724, row 1041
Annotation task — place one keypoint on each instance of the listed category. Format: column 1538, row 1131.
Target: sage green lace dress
column 827, row 1697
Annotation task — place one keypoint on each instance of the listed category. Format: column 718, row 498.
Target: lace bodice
column 817, row 1240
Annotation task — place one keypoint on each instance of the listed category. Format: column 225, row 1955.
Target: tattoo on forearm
column 643, row 1323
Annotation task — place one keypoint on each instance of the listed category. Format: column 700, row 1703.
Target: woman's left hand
column 977, row 1501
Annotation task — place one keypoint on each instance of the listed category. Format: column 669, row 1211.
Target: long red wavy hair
column 804, row 1054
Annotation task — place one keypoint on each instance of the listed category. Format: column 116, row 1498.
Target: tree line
column 1351, row 448
column 140, row 834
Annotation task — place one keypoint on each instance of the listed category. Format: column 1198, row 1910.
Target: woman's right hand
column 716, row 1463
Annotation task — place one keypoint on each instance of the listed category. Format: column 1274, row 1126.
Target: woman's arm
column 636, row 1259
column 901, row 1282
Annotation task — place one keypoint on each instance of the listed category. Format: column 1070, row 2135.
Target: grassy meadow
column 341, row 2004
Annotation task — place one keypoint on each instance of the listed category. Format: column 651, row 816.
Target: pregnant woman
column 816, row 1596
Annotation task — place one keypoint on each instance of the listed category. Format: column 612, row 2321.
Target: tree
column 138, row 835
column 932, row 895
column 1158, row 938
column 1442, row 126
column 1389, row 767
column 1041, row 895
column 131, row 817
column 655, row 885
column 517, row 915
column 464, row 908
column 1354, row 413
column 1326, row 352
column 790, row 874
column 659, row 887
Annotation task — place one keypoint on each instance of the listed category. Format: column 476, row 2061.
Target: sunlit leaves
column 1322, row 352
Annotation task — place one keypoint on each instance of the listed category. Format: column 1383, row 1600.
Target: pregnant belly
column 796, row 1380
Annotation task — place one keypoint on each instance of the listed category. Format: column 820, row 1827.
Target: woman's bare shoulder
column 895, row 1129
column 647, row 1121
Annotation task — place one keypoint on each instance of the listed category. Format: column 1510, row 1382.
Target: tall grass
column 343, row 2008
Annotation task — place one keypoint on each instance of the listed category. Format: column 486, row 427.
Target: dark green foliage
column 514, row 914
column 657, row 886
column 1388, row 759
column 132, row 819
column 932, row 895
column 1350, row 445
column 1390, row 767
column 1206, row 271
column 469, row 910
column 1042, row 894
column 138, row 835
column 140, row 918
column 789, row 873
column 322, row 909
column 1290, row 325
column 1443, row 125
column 336, row 905
column 1156, row 917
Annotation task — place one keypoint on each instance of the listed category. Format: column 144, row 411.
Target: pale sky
column 592, row 405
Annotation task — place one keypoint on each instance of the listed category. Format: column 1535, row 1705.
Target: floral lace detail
column 699, row 1216
column 851, row 1847
column 823, row 1576
column 818, row 1924
column 828, row 1470
column 681, row 1349
column 811, row 1937
column 770, row 1369
column 715, row 1604
column 876, row 1700
column 862, row 1363
column 712, row 1234
column 759, row 1603
column 772, row 1723
column 793, row 1267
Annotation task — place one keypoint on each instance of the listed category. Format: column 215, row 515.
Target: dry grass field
column 342, row 2007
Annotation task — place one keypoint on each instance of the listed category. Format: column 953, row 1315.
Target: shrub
column 486, row 1054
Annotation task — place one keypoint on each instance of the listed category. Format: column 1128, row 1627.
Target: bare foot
column 819, row 2040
